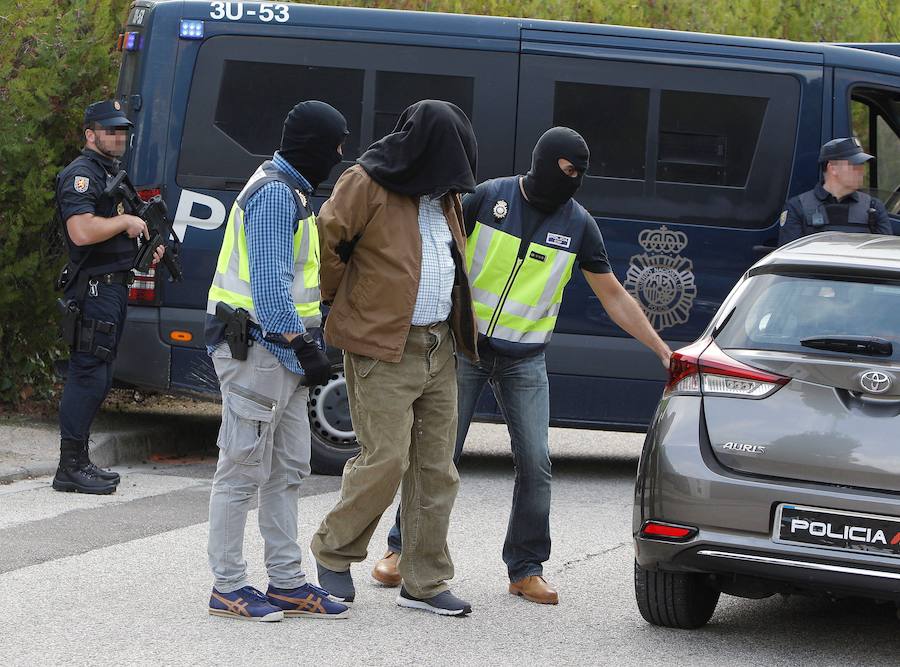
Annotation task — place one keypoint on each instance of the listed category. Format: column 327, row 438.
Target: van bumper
column 143, row 358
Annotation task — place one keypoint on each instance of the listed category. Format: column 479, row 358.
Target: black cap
column 847, row 148
column 106, row 114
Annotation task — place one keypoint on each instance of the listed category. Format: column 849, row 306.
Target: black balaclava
column 312, row 132
column 546, row 186
column 431, row 151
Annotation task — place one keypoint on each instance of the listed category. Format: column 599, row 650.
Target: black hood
column 431, row 151
column 546, row 186
column 312, row 132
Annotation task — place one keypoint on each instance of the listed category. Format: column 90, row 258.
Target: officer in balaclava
column 262, row 322
column 525, row 235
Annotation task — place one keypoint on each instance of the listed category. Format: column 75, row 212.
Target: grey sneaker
column 338, row 584
column 445, row 604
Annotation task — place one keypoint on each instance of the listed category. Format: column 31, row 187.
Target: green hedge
column 56, row 56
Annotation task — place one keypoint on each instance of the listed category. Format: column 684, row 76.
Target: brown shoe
column 385, row 571
column 534, row 589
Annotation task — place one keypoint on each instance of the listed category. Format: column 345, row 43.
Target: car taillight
column 702, row 368
column 660, row 530
column 684, row 369
column 143, row 289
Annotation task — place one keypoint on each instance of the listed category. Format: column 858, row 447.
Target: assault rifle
column 154, row 213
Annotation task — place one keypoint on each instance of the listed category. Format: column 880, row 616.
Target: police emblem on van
column 660, row 279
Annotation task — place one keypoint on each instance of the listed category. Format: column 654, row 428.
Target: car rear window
column 776, row 312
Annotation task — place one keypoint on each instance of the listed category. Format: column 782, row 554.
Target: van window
column 255, row 98
column 243, row 86
column 394, row 91
column 613, row 122
column 683, row 143
column 875, row 114
column 707, row 138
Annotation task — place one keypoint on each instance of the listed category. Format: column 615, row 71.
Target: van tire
column 332, row 439
column 674, row 599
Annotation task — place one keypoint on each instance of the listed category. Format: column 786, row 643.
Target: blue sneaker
column 246, row 603
column 308, row 600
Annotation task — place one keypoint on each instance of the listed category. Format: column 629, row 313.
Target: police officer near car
column 836, row 204
column 101, row 238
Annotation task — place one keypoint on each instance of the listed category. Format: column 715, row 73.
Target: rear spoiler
column 890, row 48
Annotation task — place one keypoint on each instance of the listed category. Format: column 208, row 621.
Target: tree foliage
column 56, row 56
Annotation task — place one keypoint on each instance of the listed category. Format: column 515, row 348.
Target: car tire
column 674, row 599
column 331, row 431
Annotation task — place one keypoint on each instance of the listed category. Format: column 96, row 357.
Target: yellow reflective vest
column 231, row 281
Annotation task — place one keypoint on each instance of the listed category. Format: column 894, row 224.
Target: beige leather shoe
column 385, row 571
column 534, row 589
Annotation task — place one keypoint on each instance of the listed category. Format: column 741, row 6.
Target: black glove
column 313, row 361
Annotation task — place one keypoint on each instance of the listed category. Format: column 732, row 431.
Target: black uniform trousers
column 90, row 378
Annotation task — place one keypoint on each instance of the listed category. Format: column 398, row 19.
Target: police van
column 696, row 142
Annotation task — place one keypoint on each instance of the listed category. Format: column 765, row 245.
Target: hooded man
column 393, row 269
column 525, row 235
column 262, row 307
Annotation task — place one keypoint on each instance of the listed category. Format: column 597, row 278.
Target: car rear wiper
column 871, row 345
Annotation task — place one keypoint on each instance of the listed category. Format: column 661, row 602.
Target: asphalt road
column 123, row 579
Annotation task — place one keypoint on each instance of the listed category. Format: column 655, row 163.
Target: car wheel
column 674, row 599
column 332, row 437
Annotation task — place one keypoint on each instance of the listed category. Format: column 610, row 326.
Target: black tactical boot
column 88, row 466
column 70, row 476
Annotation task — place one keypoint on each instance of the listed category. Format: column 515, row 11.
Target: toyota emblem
column 875, row 382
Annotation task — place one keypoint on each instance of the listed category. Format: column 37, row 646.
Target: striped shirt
column 433, row 300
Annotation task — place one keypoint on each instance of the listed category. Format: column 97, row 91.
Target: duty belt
column 115, row 278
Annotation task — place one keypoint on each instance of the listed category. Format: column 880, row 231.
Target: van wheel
column 332, row 436
column 674, row 599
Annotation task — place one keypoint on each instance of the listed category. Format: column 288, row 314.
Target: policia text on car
column 102, row 243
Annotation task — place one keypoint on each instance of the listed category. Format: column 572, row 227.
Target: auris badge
column 303, row 199
column 120, row 209
column 501, row 209
column 82, row 183
column 117, row 106
column 875, row 382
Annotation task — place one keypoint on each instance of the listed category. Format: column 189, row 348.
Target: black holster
column 78, row 332
column 69, row 320
column 237, row 329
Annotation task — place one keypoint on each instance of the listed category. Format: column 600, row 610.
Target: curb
column 127, row 446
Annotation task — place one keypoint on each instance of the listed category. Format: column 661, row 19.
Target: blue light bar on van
column 191, row 29
column 132, row 41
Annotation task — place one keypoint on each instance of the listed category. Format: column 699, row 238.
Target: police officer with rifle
column 102, row 240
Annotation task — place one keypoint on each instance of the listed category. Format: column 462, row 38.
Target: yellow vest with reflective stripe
column 231, row 281
column 517, row 300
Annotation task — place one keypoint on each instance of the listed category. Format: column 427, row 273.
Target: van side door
column 692, row 158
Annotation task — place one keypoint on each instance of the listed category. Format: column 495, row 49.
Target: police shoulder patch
column 82, row 183
column 783, row 218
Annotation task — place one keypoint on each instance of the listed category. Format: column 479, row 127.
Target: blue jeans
column 522, row 392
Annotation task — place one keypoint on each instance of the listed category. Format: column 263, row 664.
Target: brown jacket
column 373, row 294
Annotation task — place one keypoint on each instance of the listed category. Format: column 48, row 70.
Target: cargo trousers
column 264, row 450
